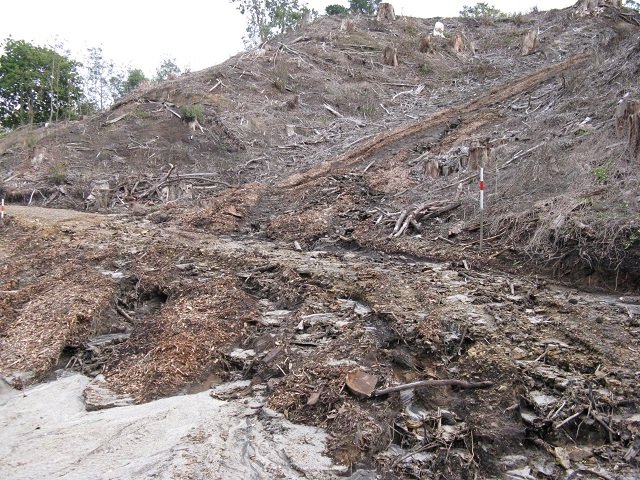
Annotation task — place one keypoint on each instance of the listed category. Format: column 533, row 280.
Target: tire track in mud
column 385, row 139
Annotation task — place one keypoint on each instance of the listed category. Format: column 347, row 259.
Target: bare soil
column 299, row 237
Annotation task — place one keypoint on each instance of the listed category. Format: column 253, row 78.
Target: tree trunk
column 386, row 13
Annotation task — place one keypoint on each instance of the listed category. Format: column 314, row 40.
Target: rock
column 274, row 318
column 357, row 307
column 518, row 353
column 361, row 383
column 98, row 396
column 541, row 401
column 241, row 355
column 319, row 318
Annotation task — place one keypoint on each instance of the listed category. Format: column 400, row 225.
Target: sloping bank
column 47, row 433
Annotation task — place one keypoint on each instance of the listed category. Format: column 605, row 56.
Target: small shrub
column 336, row 10
column 57, row 173
column 481, row 11
column 603, row 171
column 143, row 114
column 190, row 113
column 425, row 69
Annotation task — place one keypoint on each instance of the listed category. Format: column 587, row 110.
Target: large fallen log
column 384, row 139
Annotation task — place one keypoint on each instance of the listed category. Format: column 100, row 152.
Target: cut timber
column 114, row 120
column 426, row 44
column 386, row 13
column 424, row 211
column 390, row 56
column 529, row 42
column 627, row 118
column 386, row 138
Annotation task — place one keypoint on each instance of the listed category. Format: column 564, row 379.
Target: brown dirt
column 281, row 205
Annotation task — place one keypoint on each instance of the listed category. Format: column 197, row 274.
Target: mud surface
column 562, row 363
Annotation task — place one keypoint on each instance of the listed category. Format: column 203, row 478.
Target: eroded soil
column 186, row 306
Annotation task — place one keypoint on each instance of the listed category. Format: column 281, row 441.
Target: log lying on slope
column 384, row 139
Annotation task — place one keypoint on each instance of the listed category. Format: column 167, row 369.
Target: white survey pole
column 2, row 209
column 481, row 205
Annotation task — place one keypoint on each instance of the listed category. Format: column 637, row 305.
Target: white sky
column 197, row 33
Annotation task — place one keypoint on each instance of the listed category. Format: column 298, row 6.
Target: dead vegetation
column 316, row 237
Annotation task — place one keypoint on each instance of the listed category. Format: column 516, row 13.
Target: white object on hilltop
column 438, row 30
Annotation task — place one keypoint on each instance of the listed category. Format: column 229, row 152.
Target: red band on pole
column 481, row 184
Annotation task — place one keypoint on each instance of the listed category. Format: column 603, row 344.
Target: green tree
column 37, row 84
column 336, row 10
column 99, row 72
column 481, row 10
column 368, row 7
column 269, row 18
column 632, row 4
column 167, row 69
column 134, row 78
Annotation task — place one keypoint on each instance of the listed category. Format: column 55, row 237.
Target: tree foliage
column 269, row 18
column 336, row 10
column 134, row 78
column 37, row 84
column 481, row 10
column 101, row 79
column 632, row 4
column 368, row 7
column 167, row 69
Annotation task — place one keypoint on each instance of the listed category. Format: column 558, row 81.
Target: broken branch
column 462, row 384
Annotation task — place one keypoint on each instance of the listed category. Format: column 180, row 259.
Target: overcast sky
column 197, row 33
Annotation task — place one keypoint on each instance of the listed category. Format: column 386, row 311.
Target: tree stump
column 432, row 168
column 426, row 44
column 478, row 156
column 347, row 25
column 386, row 13
column 590, row 7
column 628, row 121
column 458, row 43
column 390, row 56
column 529, row 42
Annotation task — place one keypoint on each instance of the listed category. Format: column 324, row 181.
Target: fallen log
column 462, row 384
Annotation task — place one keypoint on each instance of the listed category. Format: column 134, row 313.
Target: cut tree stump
column 478, row 156
column 529, row 43
column 458, row 43
column 386, row 13
column 627, row 118
column 426, row 44
column 390, row 56
column 432, row 168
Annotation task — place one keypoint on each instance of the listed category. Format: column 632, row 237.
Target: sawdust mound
column 40, row 316
column 183, row 342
